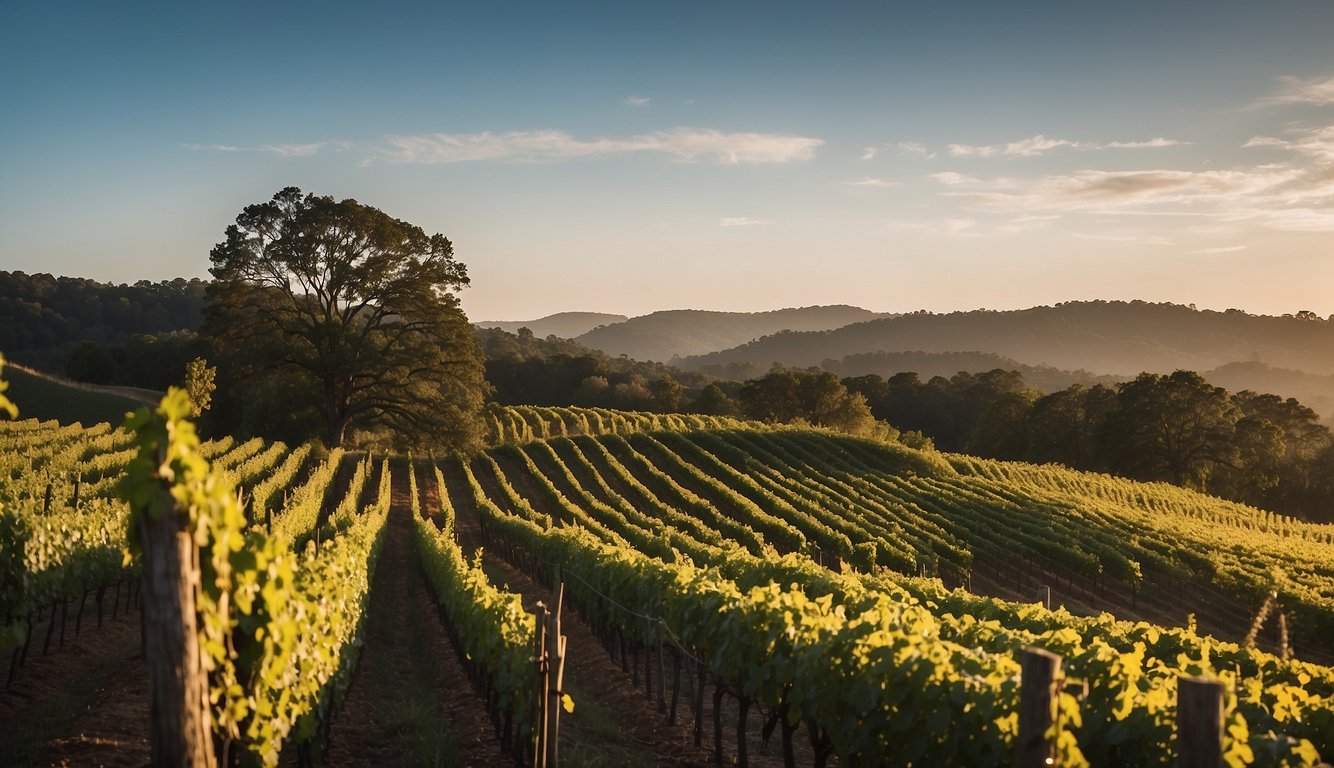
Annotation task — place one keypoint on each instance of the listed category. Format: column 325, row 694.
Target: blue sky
column 628, row 157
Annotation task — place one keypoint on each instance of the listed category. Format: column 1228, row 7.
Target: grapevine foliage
column 278, row 629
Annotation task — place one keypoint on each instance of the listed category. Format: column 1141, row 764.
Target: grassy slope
column 42, row 398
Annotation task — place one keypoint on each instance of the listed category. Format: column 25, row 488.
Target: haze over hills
column 662, row 336
column 1119, row 338
column 1315, row 391
column 566, row 325
column 1052, row 347
column 1073, row 342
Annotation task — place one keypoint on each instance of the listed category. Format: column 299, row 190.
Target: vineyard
column 782, row 595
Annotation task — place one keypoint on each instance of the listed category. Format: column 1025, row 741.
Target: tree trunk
column 181, row 727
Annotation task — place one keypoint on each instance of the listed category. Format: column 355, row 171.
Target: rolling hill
column 662, row 336
column 1121, row 338
column 43, row 396
column 1288, row 355
column 565, row 325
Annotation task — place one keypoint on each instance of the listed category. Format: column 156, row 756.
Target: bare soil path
column 410, row 702
column 86, row 704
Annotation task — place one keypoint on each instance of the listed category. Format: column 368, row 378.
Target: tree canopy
column 334, row 315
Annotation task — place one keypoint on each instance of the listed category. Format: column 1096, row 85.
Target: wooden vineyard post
column 662, row 669
column 549, row 645
column 540, row 698
column 555, row 678
column 1199, row 723
column 1039, row 685
column 177, row 684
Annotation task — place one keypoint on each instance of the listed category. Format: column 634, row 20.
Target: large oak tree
column 339, row 313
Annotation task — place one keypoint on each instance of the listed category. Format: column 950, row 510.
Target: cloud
column 687, row 144
column 1022, row 148
column 974, row 227
column 1295, row 90
column 281, row 150
column 1292, row 197
column 1154, row 143
column 1039, row 145
column 637, row 101
column 1315, row 143
column 211, row 147
column 948, row 226
column 1108, row 191
column 870, row 182
column 1023, row 224
column 293, row 150
column 1219, row 249
column 916, row 148
column 740, row 221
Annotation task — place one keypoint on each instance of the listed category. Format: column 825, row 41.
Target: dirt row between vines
column 85, row 704
column 410, row 702
column 626, row 727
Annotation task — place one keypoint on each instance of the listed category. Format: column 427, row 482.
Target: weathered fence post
column 1039, row 686
column 556, row 678
column 540, row 698
column 1199, row 723
column 177, row 685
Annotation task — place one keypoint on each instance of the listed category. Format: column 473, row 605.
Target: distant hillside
column 1312, row 390
column 565, row 325
column 1120, row 338
column 677, row 333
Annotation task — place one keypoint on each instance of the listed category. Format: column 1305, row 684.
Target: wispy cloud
column 1040, row 145
column 949, row 226
column 873, row 183
column 972, row 227
column 916, row 148
column 1316, row 143
column 637, row 101
column 211, row 147
column 1110, row 191
column 1154, row 143
column 281, row 150
column 1285, row 196
column 1218, row 249
column 740, row 221
column 1297, row 90
column 1028, row 223
column 687, row 144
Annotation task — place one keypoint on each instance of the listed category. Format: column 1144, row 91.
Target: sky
column 630, row 157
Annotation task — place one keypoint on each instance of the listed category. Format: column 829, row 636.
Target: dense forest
column 101, row 333
column 1178, row 428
